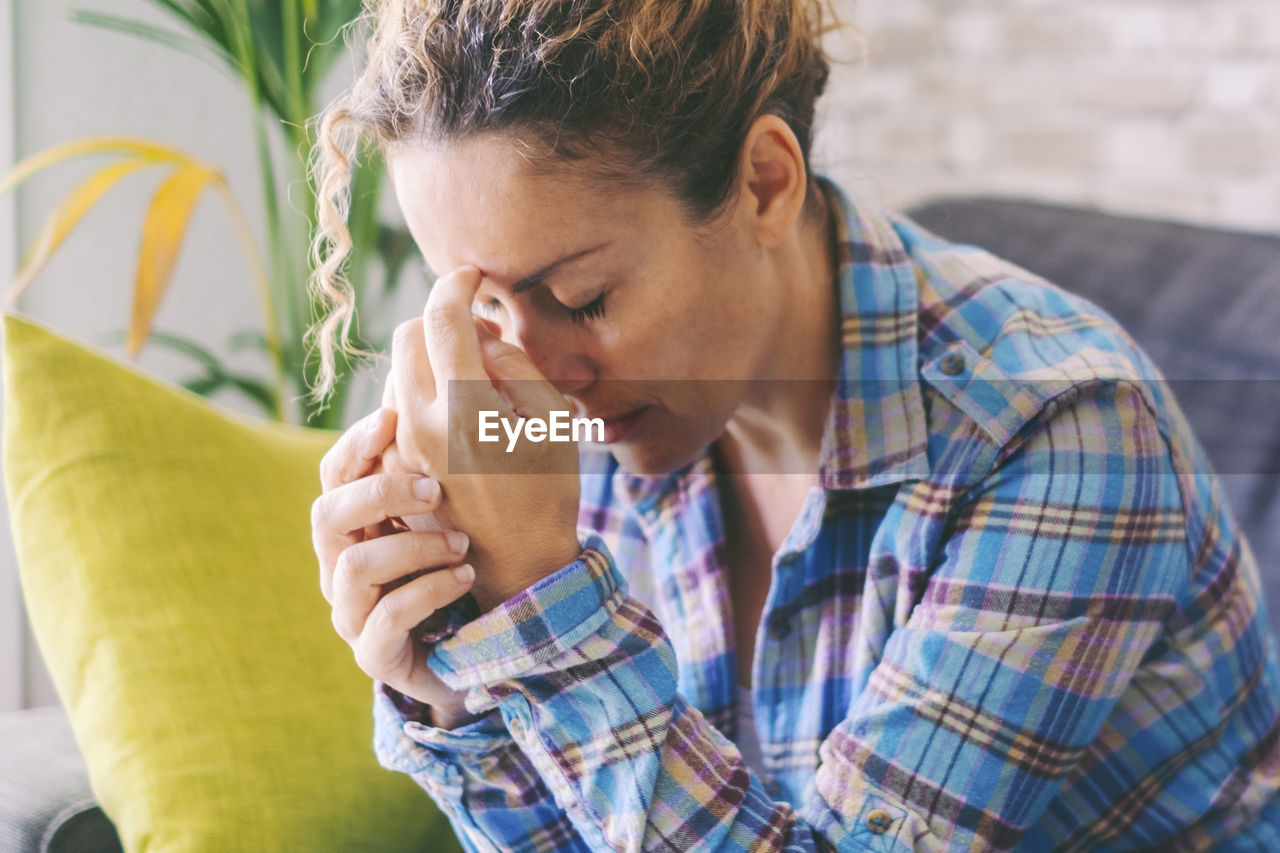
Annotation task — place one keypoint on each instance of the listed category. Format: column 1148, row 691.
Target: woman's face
column 633, row 313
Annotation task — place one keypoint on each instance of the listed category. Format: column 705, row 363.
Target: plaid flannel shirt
column 1013, row 613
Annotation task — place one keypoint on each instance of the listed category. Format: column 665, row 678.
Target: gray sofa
column 1205, row 303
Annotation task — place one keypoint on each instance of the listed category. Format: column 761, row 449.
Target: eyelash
column 593, row 310
column 582, row 315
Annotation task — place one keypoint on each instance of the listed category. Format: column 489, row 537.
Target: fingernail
column 458, row 541
column 464, row 574
column 426, row 488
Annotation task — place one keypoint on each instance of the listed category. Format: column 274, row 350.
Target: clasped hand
column 520, row 509
column 418, row 456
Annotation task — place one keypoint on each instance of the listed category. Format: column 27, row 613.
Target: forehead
column 480, row 202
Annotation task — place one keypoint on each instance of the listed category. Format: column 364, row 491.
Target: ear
column 773, row 178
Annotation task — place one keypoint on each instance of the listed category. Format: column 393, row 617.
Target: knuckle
column 386, row 614
column 440, row 317
column 326, row 470
column 405, row 332
column 350, row 567
column 320, row 512
column 364, row 661
column 340, row 625
column 382, row 488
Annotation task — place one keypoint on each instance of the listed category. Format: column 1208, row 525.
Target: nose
column 555, row 355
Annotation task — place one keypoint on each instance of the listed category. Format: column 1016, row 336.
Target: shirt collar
column 876, row 432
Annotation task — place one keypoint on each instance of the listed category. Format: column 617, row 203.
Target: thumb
column 516, row 377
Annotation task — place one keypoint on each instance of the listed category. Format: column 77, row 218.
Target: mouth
column 619, row 426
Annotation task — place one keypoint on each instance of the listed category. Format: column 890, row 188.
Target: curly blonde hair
column 636, row 89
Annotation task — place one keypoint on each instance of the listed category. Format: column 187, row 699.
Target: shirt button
column 878, row 821
column 517, row 726
column 779, row 627
column 952, row 365
column 771, row 787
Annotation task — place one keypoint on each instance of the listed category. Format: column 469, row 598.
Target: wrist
column 539, row 564
column 449, row 719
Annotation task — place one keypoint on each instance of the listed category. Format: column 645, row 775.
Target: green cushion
column 165, row 554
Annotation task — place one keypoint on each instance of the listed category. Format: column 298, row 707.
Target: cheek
column 674, row 321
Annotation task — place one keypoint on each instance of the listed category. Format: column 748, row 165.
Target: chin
column 663, row 443
column 655, row 458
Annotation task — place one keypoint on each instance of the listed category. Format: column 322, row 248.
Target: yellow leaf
column 66, row 217
column 162, row 234
column 131, row 146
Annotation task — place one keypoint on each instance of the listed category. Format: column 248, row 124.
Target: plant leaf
column 199, row 17
column 256, row 390
column 130, row 146
column 395, row 247
column 204, row 385
column 162, row 234
column 205, row 50
column 248, row 339
column 186, row 346
column 66, row 217
column 212, row 364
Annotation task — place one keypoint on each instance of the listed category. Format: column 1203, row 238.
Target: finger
column 363, row 569
column 516, row 376
column 353, row 454
column 389, row 393
column 382, row 644
column 412, row 381
column 340, row 515
column 452, row 344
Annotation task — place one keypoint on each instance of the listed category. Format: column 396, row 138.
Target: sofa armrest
column 46, row 805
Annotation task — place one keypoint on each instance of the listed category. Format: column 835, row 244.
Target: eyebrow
column 531, row 281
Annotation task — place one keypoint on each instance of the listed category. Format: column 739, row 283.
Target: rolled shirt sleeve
column 478, row 776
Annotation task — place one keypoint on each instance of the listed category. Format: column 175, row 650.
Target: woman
column 888, row 545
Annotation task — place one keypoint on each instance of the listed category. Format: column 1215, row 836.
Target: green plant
column 281, row 50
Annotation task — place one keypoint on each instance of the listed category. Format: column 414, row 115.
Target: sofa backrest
column 1203, row 302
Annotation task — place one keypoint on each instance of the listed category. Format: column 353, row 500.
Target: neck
column 778, row 427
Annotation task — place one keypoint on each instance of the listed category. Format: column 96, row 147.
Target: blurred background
column 1163, row 109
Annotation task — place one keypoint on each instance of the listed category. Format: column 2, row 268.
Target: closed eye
column 593, row 310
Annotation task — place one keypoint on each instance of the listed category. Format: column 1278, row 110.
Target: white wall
column 1134, row 106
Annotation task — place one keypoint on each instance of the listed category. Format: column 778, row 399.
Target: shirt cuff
column 405, row 740
column 537, row 625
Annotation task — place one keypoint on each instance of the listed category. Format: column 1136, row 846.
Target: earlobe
column 775, row 178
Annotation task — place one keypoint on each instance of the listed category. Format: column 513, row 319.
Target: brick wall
column 1169, row 108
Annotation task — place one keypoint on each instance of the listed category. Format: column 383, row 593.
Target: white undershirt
column 748, row 743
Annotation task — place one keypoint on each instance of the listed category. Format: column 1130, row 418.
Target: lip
column 618, row 427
